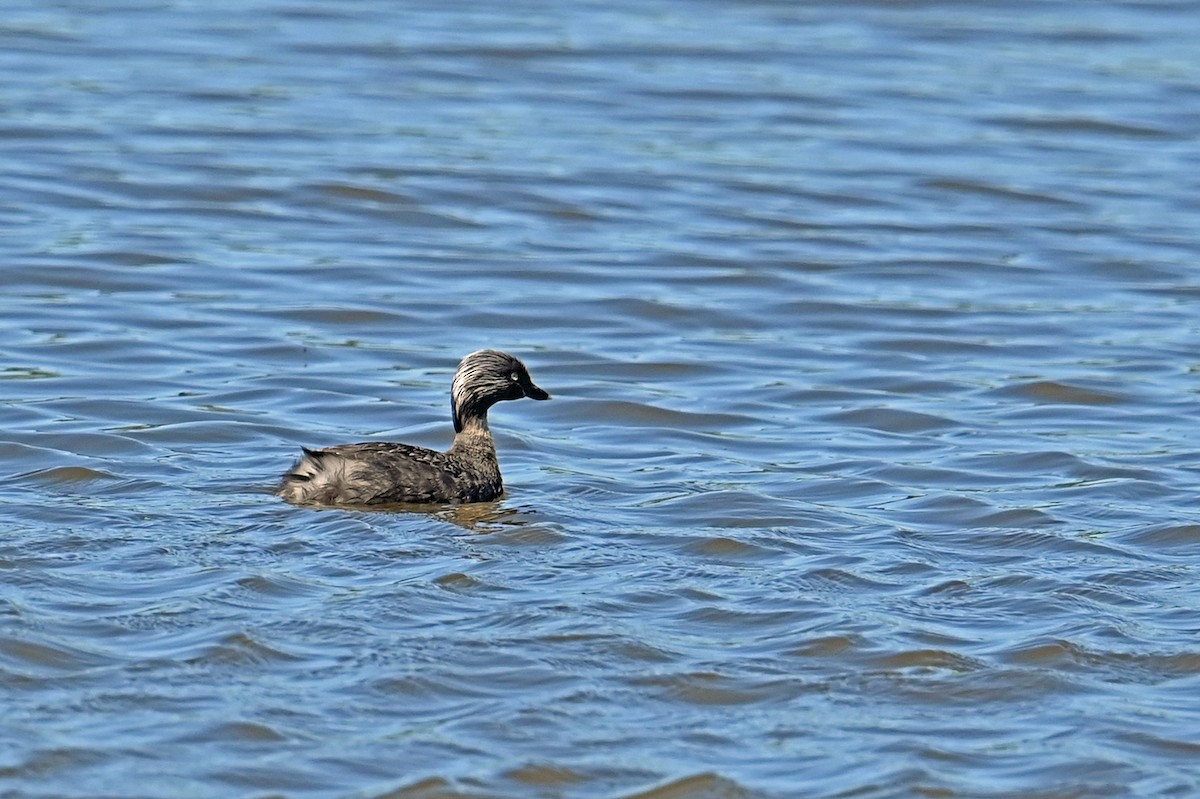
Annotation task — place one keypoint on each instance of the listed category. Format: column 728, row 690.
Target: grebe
column 378, row 472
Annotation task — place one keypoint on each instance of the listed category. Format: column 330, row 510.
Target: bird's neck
column 474, row 437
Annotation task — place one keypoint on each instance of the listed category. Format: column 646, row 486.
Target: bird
column 384, row 473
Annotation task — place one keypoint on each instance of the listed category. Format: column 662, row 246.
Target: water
column 872, row 464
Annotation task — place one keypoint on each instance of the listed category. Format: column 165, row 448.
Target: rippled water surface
column 872, row 468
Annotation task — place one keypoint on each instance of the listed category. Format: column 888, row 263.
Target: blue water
column 872, row 465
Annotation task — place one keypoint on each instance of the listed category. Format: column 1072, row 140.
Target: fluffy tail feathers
column 318, row 477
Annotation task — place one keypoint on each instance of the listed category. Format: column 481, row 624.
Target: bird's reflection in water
column 485, row 517
column 475, row 517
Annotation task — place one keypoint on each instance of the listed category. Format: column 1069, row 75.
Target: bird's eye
column 514, row 377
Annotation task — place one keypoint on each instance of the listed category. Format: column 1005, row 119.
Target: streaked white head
column 484, row 378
